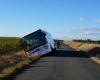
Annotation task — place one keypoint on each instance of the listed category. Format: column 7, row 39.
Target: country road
column 65, row 64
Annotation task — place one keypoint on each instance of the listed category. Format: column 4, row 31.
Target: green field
column 9, row 44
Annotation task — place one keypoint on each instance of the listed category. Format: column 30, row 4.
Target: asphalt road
column 65, row 64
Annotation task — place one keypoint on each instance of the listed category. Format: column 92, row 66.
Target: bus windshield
column 35, row 42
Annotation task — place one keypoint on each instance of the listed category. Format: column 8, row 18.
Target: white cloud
column 84, row 19
column 90, row 28
column 87, row 31
column 89, row 19
column 97, row 20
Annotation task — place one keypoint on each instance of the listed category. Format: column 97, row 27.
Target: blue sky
column 65, row 19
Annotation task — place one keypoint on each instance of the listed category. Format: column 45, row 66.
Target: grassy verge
column 91, row 48
column 13, row 57
column 88, row 41
column 7, row 72
column 96, row 60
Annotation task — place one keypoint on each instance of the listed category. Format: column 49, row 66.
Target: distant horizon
column 54, row 38
column 59, row 38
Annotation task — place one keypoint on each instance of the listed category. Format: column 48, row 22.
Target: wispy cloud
column 89, row 19
column 98, row 20
column 89, row 28
column 87, row 31
column 84, row 19
column 84, row 33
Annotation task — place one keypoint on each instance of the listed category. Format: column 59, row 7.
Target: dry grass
column 73, row 44
column 10, row 70
column 8, row 60
column 81, row 46
column 88, row 47
column 91, row 48
column 96, row 60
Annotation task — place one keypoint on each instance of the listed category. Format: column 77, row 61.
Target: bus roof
column 35, row 34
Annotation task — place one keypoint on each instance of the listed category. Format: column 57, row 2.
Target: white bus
column 39, row 43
